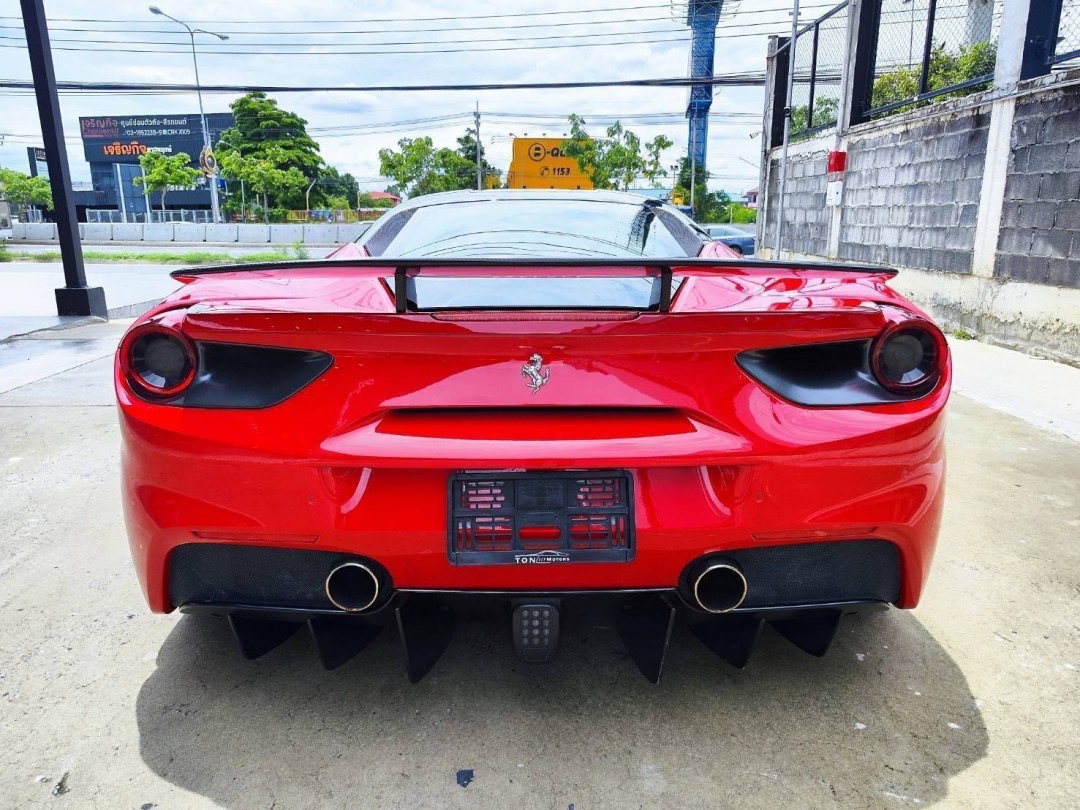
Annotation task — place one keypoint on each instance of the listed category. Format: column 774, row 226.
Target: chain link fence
column 1067, row 44
column 929, row 49
column 819, row 56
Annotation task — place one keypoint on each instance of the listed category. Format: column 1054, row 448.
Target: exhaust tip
column 719, row 587
column 352, row 587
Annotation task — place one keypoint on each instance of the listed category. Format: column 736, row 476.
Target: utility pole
column 787, row 130
column 693, row 174
column 215, row 211
column 75, row 297
column 479, row 160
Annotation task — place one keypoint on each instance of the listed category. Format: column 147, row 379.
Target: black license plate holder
column 540, row 518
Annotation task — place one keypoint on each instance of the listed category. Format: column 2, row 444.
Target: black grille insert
column 219, row 573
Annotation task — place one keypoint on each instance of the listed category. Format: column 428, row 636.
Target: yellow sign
column 540, row 163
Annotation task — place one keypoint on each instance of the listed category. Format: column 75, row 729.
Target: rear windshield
column 533, row 228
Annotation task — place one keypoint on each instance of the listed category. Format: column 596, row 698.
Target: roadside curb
column 114, row 313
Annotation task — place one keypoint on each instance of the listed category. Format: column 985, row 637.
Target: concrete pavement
column 969, row 701
column 28, row 303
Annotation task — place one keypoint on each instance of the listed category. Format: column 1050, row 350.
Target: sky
column 404, row 42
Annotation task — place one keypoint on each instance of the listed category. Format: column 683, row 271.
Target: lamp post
column 215, row 211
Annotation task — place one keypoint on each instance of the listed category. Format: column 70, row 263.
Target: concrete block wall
column 324, row 234
column 190, row 233
column 255, row 234
column 806, row 217
column 95, row 231
column 286, row 234
column 221, row 233
column 127, row 232
column 911, row 197
column 1039, row 239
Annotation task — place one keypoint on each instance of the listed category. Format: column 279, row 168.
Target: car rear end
column 734, row 450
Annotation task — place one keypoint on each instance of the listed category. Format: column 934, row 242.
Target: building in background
column 540, row 163
column 113, row 145
column 750, row 198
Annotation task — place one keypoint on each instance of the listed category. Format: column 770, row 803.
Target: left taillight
column 159, row 360
column 908, row 357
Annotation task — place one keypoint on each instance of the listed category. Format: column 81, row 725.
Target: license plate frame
column 540, row 518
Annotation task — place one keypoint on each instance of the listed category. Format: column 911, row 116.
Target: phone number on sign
column 144, row 133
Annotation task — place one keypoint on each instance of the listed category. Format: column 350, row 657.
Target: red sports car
column 549, row 401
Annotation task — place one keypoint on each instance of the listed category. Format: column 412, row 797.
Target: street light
column 215, row 212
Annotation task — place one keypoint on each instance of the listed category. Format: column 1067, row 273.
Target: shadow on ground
column 869, row 725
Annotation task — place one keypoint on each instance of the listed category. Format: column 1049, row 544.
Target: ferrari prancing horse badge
column 535, row 374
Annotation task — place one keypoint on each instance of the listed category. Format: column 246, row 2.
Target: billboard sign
column 38, row 166
column 125, row 139
column 540, row 163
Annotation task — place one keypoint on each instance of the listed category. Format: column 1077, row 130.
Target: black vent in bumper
column 216, row 573
column 791, row 575
column 819, row 573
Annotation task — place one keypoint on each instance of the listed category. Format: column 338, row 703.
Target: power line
column 217, row 22
column 746, row 79
column 494, row 30
column 412, row 28
column 323, row 50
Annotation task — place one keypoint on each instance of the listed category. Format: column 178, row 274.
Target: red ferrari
column 545, row 401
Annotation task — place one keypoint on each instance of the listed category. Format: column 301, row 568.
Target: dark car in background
column 739, row 241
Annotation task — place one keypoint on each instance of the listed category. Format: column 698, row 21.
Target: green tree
column 825, row 112
column 418, row 168
column 267, row 175
column 334, row 184
column 162, row 172
column 945, row 69
column 617, row 160
column 708, row 206
column 22, row 189
column 467, row 149
column 263, row 131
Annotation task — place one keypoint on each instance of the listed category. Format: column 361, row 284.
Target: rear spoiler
column 405, row 269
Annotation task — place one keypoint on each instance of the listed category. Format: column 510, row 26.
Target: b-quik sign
column 540, row 163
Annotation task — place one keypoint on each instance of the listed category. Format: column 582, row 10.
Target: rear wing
column 401, row 274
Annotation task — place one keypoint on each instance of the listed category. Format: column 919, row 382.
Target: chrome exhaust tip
column 352, row 587
column 718, row 587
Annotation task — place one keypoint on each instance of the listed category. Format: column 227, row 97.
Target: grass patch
column 960, row 333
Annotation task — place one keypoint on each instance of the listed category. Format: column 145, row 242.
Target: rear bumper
column 179, row 490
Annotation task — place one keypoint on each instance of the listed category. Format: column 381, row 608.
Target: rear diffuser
column 733, row 638
column 337, row 641
column 644, row 624
column 257, row 637
column 426, row 627
column 812, row 633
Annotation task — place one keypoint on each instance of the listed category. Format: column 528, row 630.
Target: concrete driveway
column 969, row 701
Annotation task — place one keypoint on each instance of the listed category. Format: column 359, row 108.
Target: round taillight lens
column 908, row 357
column 159, row 360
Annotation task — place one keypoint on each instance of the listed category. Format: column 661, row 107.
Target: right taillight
column 159, row 360
column 908, row 357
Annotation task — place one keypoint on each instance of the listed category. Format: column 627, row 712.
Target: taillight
column 908, row 357
column 159, row 360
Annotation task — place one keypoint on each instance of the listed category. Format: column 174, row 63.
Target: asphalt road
column 971, row 700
